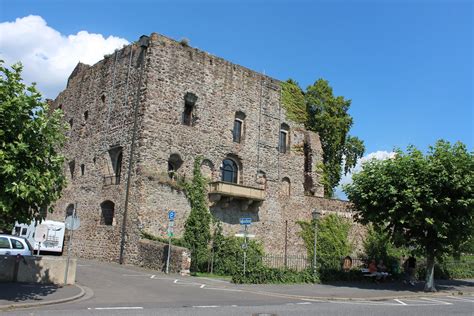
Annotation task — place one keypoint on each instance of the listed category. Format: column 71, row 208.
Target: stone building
column 139, row 118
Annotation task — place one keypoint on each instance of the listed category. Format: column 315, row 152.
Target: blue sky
column 406, row 65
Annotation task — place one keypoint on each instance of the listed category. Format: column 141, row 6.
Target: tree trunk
column 430, row 263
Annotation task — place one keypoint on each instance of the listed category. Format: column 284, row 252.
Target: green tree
column 197, row 231
column 31, row 169
column 378, row 245
column 328, row 116
column 320, row 111
column 424, row 202
column 332, row 240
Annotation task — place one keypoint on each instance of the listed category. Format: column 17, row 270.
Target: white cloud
column 346, row 179
column 47, row 55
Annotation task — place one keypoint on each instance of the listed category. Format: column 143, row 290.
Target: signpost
column 171, row 217
column 246, row 222
column 41, row 233
column 72, row 223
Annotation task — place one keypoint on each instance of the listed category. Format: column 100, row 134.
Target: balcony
column 227, row 192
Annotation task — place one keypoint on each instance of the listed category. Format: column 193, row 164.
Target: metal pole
column 286, row 243
column 69, row 244
column 169, row 252
column 315, row 240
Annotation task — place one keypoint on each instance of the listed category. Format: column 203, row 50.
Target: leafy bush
column 449, row 268
column 377, row 245
column 328, row 275
column 260, row 275
column 332, row 241
column 228, row 255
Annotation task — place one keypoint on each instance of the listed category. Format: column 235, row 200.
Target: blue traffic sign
column 171, row 215
column 245, row 221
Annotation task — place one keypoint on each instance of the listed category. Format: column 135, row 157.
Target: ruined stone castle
column 139, row 118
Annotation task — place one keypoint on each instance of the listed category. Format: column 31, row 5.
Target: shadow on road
column 18, row 292
column 398, row 286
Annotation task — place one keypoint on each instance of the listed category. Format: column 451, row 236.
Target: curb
column 372, row 299
column 12, row 306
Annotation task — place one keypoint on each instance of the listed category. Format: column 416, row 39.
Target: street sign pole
column 69, row 244
column 245, row 248
column 171, row 216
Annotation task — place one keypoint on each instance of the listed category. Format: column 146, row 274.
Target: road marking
column 206, row 306
column 175, row 281
column 117, row 308
column 402, row 303
column 84, row 265
column 233, row 305
column 222, row 289
column 153, row 276
column 202, row 286
column 304, row 303
column 436, row 301
column 461, row 299
column 135, row 275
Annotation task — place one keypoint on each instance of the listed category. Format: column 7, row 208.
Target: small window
column 116, row 157
column 230, row 171
column 83, row 169
column 70, row 210
column 71, row 122
column 103, row 98
column 60, row 107
column 107, row 209
column 4, row 243
column 189, row 107
column 16, row 244
column 86, row 115
column 72, row 166
column 174, row 163
column 24, row 231
column 283, row 143
column 17, row 230
column 237, row 133
column 285, row 187
column 238, row 127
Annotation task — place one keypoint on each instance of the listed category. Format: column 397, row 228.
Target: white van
column 54, row 240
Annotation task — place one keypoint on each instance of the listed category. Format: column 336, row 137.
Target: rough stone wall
column 153, row 255
column 107, row 91
column 170, row 71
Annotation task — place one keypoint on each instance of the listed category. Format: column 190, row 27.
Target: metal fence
column 294, row 262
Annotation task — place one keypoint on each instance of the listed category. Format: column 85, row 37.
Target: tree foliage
column 31, row 168
column 424, row 202
column 326, row 114
column 332, row 240
column 197, row 233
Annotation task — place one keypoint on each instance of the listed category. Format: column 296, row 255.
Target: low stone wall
column 153, row 255
column 34, row 269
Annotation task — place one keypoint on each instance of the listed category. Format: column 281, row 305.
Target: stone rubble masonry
column 153, row 80
column 153, row 255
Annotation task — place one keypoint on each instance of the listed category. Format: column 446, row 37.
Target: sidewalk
column 362, row 290
column 20, row 295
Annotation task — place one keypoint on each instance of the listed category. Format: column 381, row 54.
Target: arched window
column 230, row 171
column 283, row 142
column 285, row 188
column 189, row 107
column 237, row 132
column 107, row 213
column 174, row 163
column 69, row 210
column 72, row 167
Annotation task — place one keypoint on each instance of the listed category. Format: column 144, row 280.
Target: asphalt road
column 122, row 290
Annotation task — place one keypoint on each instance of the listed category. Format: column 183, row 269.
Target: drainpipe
column 143, row 42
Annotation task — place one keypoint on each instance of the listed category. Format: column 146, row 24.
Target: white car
column 12, row 246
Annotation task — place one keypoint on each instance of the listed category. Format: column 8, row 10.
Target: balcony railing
column 237, row 191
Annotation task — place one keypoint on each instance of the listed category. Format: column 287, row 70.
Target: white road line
column 304, row 303
column 233, row 305
column 135, row 275
column 402, row 303
column 222, row 289
column 153, row 276
column 206, row 306
column 461, row 299
column 312, row 300
column 202, row 286
column 84, row 265
column 175, row 281
column 117, row 308
column 436, row 301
